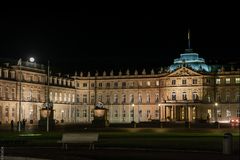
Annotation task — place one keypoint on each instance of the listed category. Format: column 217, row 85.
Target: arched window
column 174, row 96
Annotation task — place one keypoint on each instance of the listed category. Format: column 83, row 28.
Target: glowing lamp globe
column 31, row 59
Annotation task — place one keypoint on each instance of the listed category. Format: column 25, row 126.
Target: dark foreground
column 76, row 152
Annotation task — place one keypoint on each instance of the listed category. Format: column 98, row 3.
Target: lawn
column 165, row 139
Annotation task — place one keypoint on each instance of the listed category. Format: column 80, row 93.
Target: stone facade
column 181, row 93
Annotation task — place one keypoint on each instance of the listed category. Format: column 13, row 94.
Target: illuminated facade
column 185, row 91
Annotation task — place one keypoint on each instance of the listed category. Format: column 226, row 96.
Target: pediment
column 183, row 72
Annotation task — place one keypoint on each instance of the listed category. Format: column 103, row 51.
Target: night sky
column 85, row 39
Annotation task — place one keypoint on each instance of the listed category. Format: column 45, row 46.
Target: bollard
column 2, row 153
column 227, row 143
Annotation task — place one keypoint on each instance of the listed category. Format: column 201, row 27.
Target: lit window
column 237, row 80
column 228, row 113
column 140, row 83
column 227, row 80
column 148, row 83
column 218, row 81
column 60, row 96
column 157, row 83
column 219, row 113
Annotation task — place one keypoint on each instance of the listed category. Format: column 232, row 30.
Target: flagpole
column 20, row 93
column 189, row 46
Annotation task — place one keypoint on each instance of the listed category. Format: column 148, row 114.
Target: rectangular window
column 115, row 84
column 173, row 82
column 69, row 97
column 6, row 112
column 84, row 84
column 123, row 84
column 108, row 99
column 124, row 113
column 148, row 83
column 227, row 97
column 84, row 98
column 227, row 80
column 238, row 113
column 78, row 98
column 219, row 113
column 78, row 113
column 157, row 83
column 156, row 113
column 208, row 81
column 194, row 81
column 116, row 113
column 184, row 81
column 100, row 85
column 218, row 81
column 108, row 85
column 228, row 113
column 140, row 83
column 92, row 99
column 238, row 98
column 209, row 111
column 92, row 85
column 132, row 113
column 84, row 113
column 92, row 113
column 237, row 80
column 13, row 112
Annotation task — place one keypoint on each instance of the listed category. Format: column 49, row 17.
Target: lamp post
column 215, row 108
column 48, row 97
column 20, row 93
column 62, row 116
column 134, row 124
column 216, row 115
column 133, row 111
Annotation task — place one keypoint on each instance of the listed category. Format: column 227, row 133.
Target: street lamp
column 20, row 93
column 31, row 59
column 133, row 111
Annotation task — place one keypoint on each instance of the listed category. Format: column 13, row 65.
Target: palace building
column 188, row 90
